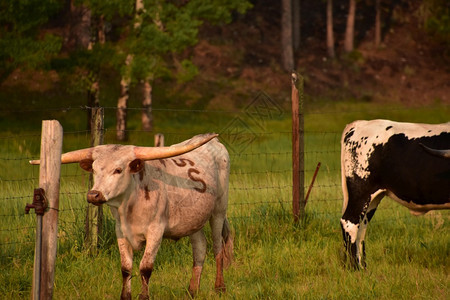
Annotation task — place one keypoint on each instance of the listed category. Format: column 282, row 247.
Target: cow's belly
column 418, row 209
column 188, row 215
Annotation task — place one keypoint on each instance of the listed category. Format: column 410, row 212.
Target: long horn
column 149, row 153
column 71, row 157
column 441, row 153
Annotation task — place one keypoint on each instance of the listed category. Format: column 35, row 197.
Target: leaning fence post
column 49, row 178
column 94, row 215
column 298, row 169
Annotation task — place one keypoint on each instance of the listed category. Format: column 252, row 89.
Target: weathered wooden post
column 94, row 215
column 298, row 167
column 49, row 178
column 159, row 140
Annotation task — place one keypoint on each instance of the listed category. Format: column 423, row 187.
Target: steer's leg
column 153, row 241
column 216, row 223
column 126, row 261
column 198, row 241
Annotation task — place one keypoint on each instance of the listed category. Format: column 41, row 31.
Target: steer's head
column 113, row 165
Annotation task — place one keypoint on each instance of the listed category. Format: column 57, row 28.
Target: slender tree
column 330, row 34
column 286, row 35
column 296, row 29
column 350, row 28
column 377, row 23
column 125, row 82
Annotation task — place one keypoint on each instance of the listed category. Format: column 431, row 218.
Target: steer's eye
column 117, row 171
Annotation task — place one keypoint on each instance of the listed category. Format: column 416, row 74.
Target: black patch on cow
column 402, row 166
column 389, row 127
column 359, row 194
column 348, row 135
column 370, row 214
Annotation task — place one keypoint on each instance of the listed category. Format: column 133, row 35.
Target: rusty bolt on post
column 39, row 202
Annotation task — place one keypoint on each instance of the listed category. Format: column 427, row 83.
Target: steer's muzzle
column 95, row 197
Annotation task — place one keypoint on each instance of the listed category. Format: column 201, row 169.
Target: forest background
column 213, row 54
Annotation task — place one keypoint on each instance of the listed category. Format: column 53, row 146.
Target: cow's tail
column 227, row 246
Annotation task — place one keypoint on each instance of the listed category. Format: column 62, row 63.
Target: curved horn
column 149, row 153
column 71, row 157
column 441, row 153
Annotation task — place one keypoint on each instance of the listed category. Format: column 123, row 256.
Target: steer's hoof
column 143, row 297
column 220, row 289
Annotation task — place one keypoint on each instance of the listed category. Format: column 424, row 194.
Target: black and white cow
column 385, row 158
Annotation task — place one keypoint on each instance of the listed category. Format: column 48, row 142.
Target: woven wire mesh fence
column 258, row 139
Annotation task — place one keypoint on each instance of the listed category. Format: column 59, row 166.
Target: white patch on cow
column 357, row 149
column 351, row 229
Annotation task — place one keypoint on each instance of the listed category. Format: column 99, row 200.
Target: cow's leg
column 354, row 224
column 153, row 241
column 198, row 241
column 360, row 244
column 216, row 223
column 126, row 261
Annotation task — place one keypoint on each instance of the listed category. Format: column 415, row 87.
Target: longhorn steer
column 381, row 158
column 152, row 196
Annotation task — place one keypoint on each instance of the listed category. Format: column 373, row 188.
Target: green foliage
column 435, row 15
column 109, row 8
column 20, row 43
column 164, row 28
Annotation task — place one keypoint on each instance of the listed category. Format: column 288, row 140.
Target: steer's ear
column 136, row 165
column 86, row 164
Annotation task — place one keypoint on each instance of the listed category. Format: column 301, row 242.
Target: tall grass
column 408, row 257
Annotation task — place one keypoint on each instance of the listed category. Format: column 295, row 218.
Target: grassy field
column 408, row 257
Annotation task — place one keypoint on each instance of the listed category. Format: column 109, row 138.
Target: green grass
column 408, row 257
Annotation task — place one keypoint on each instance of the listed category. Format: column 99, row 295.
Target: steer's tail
column 227, row 246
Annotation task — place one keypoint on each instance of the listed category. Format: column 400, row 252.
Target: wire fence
column 259, row 142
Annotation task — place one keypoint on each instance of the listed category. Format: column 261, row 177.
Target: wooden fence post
column 49, row 178
column 298, row 167
column 159, row 140
column 94, row 214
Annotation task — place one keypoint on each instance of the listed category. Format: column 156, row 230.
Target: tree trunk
column 93, row 92
column 286, row 35
column 330, row 34
column 350, row 29
column 80, row 25
column 146, row 116
column 296, row 30
column 122, row 103
column 377, row 24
